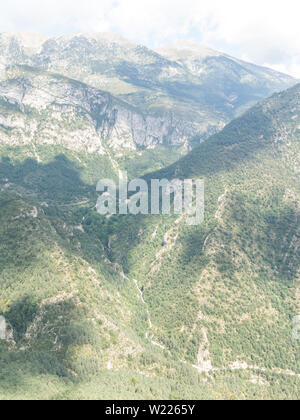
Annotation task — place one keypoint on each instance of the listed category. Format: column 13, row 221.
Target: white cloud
column 266, row 32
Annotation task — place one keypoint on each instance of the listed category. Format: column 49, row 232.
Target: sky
column 265, row 32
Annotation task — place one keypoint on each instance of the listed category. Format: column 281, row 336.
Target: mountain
column 237, row 79
column 222, row 296
column 197, row 88
column 44, row 108
column 146, row 306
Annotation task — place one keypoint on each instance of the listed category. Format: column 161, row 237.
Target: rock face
column 45, row 109
column 165, row 97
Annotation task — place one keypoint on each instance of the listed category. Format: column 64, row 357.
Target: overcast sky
column 266, row 32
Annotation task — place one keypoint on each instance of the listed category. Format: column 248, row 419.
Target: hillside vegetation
column 147, row 307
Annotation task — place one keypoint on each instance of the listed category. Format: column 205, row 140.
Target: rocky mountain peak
column 187, row 49
column 30, row 43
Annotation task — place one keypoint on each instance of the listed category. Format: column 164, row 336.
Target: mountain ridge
column 140, row 306
column 206, row 94
column 199, row 311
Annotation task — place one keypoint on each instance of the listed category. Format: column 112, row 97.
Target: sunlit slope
column 76, row 325
column 222, row 296
column 144, row 307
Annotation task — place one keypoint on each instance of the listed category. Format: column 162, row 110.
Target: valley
column 146, row 307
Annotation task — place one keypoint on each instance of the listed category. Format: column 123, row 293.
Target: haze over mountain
column 146, row 306
column 188, row 85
